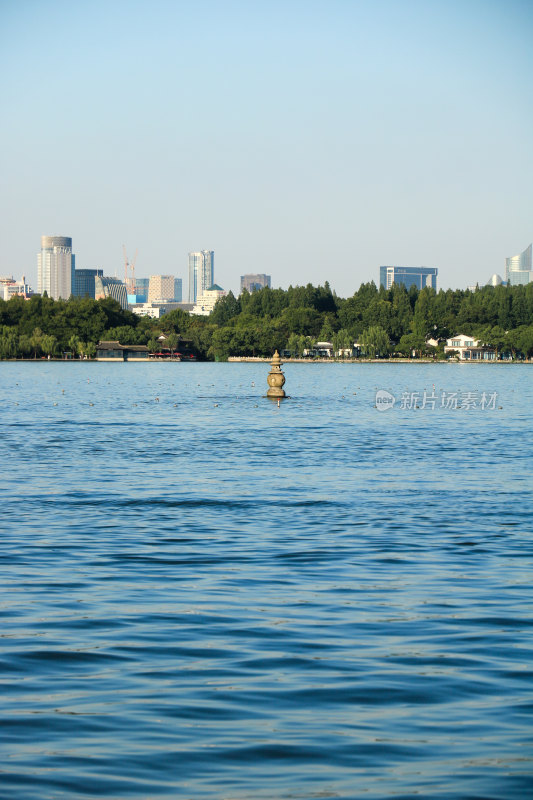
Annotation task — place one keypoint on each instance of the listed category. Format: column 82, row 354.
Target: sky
column 312, row 140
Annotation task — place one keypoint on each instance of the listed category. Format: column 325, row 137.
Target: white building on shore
column 469, row 349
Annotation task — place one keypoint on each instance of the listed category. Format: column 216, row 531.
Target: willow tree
column 375, row 341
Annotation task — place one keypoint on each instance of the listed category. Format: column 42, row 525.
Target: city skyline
column 378, row 135
column 56, row 251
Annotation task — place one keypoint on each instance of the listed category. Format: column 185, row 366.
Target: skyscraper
column 201, row 273
column 408, row 276
column 84, row 282
column 55, row 267
column 518, row 269
column 256, row 281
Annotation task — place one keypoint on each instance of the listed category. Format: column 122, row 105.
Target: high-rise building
column 161, row 289
column 55, row 267
column 84, row 282
column 421, row 277
column 518, row 269
column 111, row 287
column 252, row 282
column 178, row 290
column 201, row 273
column 141, row 291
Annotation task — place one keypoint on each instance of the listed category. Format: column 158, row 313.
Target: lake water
column 203, row 595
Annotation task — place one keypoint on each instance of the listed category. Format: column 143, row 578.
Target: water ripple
column 240, row 601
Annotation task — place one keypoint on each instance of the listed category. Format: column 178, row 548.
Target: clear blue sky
column 310, row 140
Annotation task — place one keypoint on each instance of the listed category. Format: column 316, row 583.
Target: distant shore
column 258, row 360
column 261, row 359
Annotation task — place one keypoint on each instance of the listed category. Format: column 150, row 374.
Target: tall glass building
column 518, row 269
column 201, row 273
column 55, row 267
column 409, row 276
column 84, row 282
column 141, row 285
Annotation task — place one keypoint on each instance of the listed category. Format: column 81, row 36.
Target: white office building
column 55, row 267
column 207, row 301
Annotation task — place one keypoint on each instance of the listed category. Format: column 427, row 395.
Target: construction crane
column 130, row 282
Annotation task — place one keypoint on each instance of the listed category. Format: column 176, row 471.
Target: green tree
column 201, row 336
column 172, row 343
column 48, row 344
column 73, row 344
column 24, row 345
column 87, row 349
column 327, row 331
column 177, row 321
column 423, row 319
column 90, row 349
column 8, row 343
column 496, row 338
column 525, row 340
column 126, row 334
column 513, row 340
column 343, row 340
column 226, row 308
column 300, row 320
column 154, row 344
column 375, row 342
column 293, row 344
column 221, row 344
column 411, row 342
column 36, row 341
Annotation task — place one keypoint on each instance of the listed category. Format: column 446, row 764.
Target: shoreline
column 261, row 360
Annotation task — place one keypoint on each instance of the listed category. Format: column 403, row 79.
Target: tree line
column 381, row 320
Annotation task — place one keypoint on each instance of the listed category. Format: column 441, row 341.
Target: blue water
column 206, row 596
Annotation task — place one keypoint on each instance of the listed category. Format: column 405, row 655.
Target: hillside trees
column 257, row 323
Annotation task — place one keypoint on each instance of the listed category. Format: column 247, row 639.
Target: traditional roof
column 115, row 345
